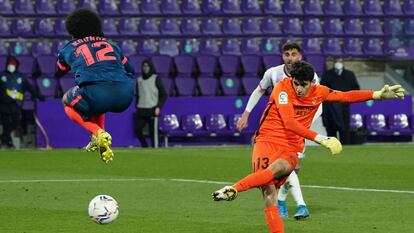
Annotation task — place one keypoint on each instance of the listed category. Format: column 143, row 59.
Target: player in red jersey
column 283, row 126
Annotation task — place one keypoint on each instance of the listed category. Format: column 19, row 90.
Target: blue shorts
column 99, row 98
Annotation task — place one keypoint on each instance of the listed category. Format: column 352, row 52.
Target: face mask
column 145, row 69
column 11, row 68
column 339, row 66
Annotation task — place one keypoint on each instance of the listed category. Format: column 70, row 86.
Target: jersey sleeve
column 283, row 102
column 62, row 65
column 266, row 81
column 330, row 95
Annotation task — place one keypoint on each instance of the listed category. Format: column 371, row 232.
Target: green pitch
column 168, row 190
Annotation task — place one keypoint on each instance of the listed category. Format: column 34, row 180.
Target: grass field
column 168, row 190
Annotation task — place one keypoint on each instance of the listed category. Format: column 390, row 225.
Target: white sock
column 295, row 188
column 284, row 190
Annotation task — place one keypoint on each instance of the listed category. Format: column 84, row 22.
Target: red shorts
column 265, row 153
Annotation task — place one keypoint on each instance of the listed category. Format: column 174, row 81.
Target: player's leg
column 141, row 123
column 273, row 220
column 281, row 198
column 93, row 144
column 301, row 209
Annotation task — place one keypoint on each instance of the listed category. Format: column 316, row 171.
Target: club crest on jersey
column 283, row 98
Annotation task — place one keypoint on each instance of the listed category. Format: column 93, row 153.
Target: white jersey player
column 291, row 54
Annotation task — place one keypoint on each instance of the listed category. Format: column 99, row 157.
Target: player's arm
column 387, row 92
column 61, row 66
column 254, row 99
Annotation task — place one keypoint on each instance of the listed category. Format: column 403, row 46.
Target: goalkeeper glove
column 389, row 92
column 332, row 143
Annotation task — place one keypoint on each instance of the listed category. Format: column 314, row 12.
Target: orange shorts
column 265, row 153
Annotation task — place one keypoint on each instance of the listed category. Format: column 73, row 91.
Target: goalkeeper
column 284, row 123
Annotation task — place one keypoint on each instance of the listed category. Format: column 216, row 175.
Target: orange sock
column 88, row 125
column 257, row 179
column 99, row 120
column 273, row 220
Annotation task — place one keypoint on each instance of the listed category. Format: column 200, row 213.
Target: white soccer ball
column 103, row 209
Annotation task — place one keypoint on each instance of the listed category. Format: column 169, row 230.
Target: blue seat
column 250, row 26
column 409, row 27
column 231, row 26
column 44, row 27
column 313, row 7
column 230, row 7
column 292, row 26
column 353, row 47
column 353, row 27
column 129, row 7
column 230, row 85
column 89, row 4
column 190, row 27
column 60, row 29
column 185, row 65
column 128, row 47
column 251, row 7
column 108, row 8
column 209, row 47
column 372, row 27
column 136, row 63
column 393, row 7
column 270, row 26
column 208, row 86
column 169, row 27
column 210, row 26
column 191, row 7
column 168, row 47
column 23, row 7
column 44, row 7
column 331, row 46
column 353, row 7
column 189, row 46
column 162, row 65
column 272, row 7
column 22, row 27
column 373, row 47
column 408, row 7
column 292, row 7
column 230, row 46
column 393, row 27
column 46, row 64
column 250, row 46
column 18, row 48
column 372, row 7
column 270, row 46
column 148, row 26
column 211, row 7
column 6, row 8
column 251, row 65
column 4, row 28
column 109, row 27
column 65, row 7
column 128, row 26
column 312, row 26
column 170, row 7
column 332, row 7
column 41, row 48
column 147, row 47
column 207, row 65
column 311, row 46
column 150, row 7
column 229, row 64
column 333, row 26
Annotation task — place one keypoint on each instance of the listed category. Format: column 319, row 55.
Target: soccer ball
column 103, row 209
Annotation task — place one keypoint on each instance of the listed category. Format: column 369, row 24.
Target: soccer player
column 102, row 75
column 285, row 122
column 291, row 52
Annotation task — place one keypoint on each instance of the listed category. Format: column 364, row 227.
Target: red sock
column 273, row 220
column 257, row 179
column 99, row 120
column 88, row 125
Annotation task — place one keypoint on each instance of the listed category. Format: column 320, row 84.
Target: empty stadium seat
column 399, row 124
column 393, row 27
column 169, row 125
column 270, row 61
column 409, row 27
column 190, row 27
column 393, row 7
column 231, row 26
column 251, row 65
column 230, row 85
column 189, row 46
column 65, row 7
column 128, row 27
column 136, row 62
column 408, row 7
column 229, row 64
column 211, row 7
column 190, row 7
column 4, row 28
column 6, row 7
column 373, row 47
column 168, row 84
column 272, row 7
column 250, row 84
column 89, row 4
column 333, row 26
column 108, row 8
column 230, row 46
column 168, row 47
column 372, row 27
column 170, row 7
column 312, row 7
column 23, row 7
column 22, row 27
column 18, row 48
column 148, row 26
column 109, row 27
column 184, row 64
column 270, row 46
column 376, row 124
column 372, row 7
column 292, row 7
column 352, row 47
column 128, row 47
column 150, row 7
column 45, row 7
column 251, row 7
column 250, row 46
column 292, row 26
column 46, row 64
column 4, row 50
column 231, row 7
column 192, row 124
column 312, row 26
column 60, row 29
column 353, row 7
column 332, row 7
column 270, row 26
column 27, row 64
column 44, row 27
column 208, row 86
column 129, row 7
column 353, row 27
column 162, row 65
column 185, row 86
column 210, row 26
column 207, row 65
column 47, row 85
column 331, row 46
column 169, row 27
column 311, row 46
column 250, row 26
column 147, row 47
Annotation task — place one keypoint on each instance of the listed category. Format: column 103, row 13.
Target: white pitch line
column 195, row 181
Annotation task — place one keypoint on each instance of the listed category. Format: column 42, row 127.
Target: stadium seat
column 18, row 48
column 229, row 64
column 168, row 47
column 409, row 27
column 66, row 82
column 270, row 46
column 192, row 125
column 3, row 57
column 108, row 8
column 46, row 64
column 271, row 27
column 251, row 65
column 169, row 27
column 272, row 7
column 190, row 7
column 230, row 7
column 318, row 61
column 147, row 47
column 65, row 7
column 168, row 84
column 392, row 7
column 4, row 51
column 332, row 47
column 392, row 44
column 129, row 7
column 45, row 7
column 251, row 7
column 232, row 124
column 352, row 47
column 231, row 26
column 270, row 61
column 190, row 27
column 150, row 7
column 312, row 26
column 230, row 46
column 60, row 29
column 216, row 124
column 169, row 125
column 356, row 121
column 292, row 26
column 184, row 64
column 376, row 124
column 372, row 27
column 128, row 27
column 333, row 26
column 6, row 8
column 251, row 26
column 332, row 8
column 373, row 47
column 109, row 27
column 58, row 45
column 44, row 27
column 207, row 85
column 4, row 28
column 23, row 7
column 27, row 64
column 312, row 7
column 211, row 7
column 47, row 85
column 372, row 8
column 210, row 26
column 393, row 27
column 353, row 7
column 408, row 7
column 311, row 46
column 399, row 124
column 230, row 85
column 128, row 47
column 185, row 86
column 22, row 27
column 136, row 62
column 292, row 7
column 189, row 46
column 250, row 46
column 250, row 84
column 162, row 65
column 207, row 65
column 148, row 26
column 88, row 4
column 170, row 7
column 353, row 27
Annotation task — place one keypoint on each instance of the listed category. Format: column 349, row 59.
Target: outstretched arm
column 387, row 92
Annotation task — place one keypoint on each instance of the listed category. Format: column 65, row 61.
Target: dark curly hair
column 291, row 45
column 302, row 71
column 82, row 23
